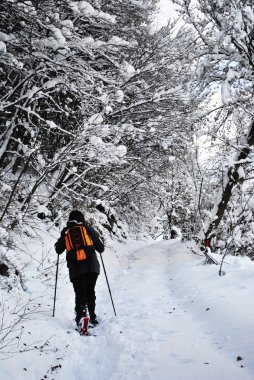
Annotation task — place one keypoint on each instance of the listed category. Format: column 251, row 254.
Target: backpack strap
column 82, row 237
column 68, row 241
column 86, row 238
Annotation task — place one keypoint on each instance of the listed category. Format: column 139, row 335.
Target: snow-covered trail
column 157, row 333
column 176, row 319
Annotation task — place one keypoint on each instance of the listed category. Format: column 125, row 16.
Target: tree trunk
column 233, row 179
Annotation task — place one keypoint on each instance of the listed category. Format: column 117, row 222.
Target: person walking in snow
column 80, row 242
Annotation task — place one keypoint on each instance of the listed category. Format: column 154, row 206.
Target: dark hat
column 77, row 215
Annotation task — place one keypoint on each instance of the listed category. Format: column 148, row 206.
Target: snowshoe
column 83, row 326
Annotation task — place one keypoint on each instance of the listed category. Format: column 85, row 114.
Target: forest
column 149, row 131
column 152, row 128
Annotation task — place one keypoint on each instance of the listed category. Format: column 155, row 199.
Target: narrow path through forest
column 160, row 331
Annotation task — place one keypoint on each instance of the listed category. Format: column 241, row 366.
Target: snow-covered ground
column 176, row 318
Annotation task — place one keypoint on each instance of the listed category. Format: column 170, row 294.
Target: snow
column 5, row 37
column 88, row 40
column 95, row 140
column 27, row 7
column 232, row 74
column 118, row 41
column 119, row 96
column 5, row 187
column 176, row 318
column 53, row 125
column 127, row 70
column 88, row 10
column 67, row 24
column 51, row 83
column 43, row 209
column 96, row 119
column 2, row 47
column 121, row 150
column 241, row 173
column 225, row 92
column 3, row 233
column 107, row 17
column 30, row 93
column 249, row 14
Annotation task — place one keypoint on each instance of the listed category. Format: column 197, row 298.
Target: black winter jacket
column 91, row 264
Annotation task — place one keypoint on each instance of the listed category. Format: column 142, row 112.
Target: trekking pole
column 57, row 263
column 108, row 285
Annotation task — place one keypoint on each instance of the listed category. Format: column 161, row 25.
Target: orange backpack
column 77, row 238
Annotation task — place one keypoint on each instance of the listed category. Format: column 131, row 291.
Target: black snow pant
column 84, row 288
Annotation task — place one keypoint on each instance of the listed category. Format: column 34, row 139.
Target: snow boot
column 93, row 322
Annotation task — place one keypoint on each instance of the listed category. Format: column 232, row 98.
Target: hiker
column 80, row 242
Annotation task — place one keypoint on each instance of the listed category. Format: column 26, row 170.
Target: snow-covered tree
column 222, row 54
column 91, row 98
